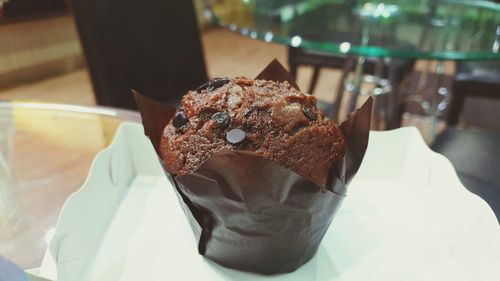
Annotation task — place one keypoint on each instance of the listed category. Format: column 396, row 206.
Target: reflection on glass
column 377, row 10
column 268, row 37
column 45, row 153
column 344, row 47
column 296, row 40
column 450, row 29
column 496, row 44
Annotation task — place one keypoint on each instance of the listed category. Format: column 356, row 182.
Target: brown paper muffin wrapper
column 253, row 214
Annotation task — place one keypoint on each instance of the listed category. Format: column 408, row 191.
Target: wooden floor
column 72, row 88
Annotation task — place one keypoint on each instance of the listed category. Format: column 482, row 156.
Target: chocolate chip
column 202, row 87
column 213, row 84
column 180, row 120
column 235, row 136
column 217, row 83
column 309, row 114
column 221, row 119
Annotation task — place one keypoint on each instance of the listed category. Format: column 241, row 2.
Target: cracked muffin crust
column 273, row 119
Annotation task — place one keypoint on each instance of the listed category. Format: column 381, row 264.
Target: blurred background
column 42, row 58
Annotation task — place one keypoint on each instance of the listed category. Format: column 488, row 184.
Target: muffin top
column 273, row 119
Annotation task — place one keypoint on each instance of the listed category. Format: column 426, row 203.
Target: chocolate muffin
column 273, row 119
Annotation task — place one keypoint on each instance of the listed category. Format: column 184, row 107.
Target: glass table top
column 427, row 29
column 45, row 154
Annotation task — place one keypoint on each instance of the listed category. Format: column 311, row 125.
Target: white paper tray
column 406, row 217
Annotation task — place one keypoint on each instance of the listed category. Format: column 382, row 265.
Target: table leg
column 440, row 98
column 380, row 92
column 358, row 72
column 356, row 85
column 379, row 89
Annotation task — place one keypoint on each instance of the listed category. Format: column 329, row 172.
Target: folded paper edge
column 356, row 130
column 275, row 71
column 155, row 117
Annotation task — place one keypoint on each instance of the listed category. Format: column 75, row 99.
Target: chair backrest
column 478, row 82
column 148, row 45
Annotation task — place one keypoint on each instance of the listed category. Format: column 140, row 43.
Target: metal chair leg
column 456, row 104
column 292, row 63
column 341, row 88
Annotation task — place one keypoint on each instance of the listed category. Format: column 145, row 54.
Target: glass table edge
column 123, row 114
column 476, row 3
column 334, row 48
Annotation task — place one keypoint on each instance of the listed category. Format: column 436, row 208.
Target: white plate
column 406, row 217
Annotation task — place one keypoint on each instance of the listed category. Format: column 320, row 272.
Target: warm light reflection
column 268, row 37
column 65, row 128
column 378, row 10
column 368, row 6
column 496, row 44
column 296, row 41
column 244, row 31
column 386, row 14
column 344, row 47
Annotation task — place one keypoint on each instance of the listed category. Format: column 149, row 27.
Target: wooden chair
column 394, row 70
column 148, row 45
